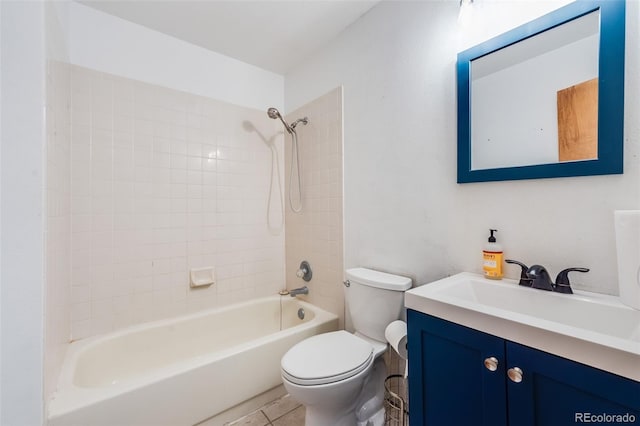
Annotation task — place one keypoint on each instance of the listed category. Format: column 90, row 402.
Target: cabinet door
column 448, row 381
column 557, row 391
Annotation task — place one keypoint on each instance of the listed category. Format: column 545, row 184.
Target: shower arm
column 303, row 120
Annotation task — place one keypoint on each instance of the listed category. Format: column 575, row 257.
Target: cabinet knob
column 491, row 363
column 515, row 374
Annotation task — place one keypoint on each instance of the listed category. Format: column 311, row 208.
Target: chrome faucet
column 297, row 291
column 537, row 276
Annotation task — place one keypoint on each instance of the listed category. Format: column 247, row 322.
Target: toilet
column 339, row 376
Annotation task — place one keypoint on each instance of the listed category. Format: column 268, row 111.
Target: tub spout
column 297, row 291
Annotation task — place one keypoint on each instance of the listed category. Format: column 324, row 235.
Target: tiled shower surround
column 58, row 223
column 164, row 181
column 316, row 233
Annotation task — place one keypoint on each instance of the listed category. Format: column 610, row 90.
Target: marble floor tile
column 257, row 418
column 280, row 407
column 292, row 418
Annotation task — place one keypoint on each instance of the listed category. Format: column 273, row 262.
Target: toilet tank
column 374, row 299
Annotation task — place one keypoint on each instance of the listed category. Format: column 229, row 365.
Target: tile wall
column 316, row 234
column 58, row 220
column 164, row 181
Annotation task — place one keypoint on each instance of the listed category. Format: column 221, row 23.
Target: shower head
column 275, row 114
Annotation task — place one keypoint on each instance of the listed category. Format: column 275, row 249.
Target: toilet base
column 376, row 420
column 370, row 405
column 365, row 410
column 320, row 417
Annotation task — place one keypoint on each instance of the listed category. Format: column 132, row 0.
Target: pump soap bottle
column 492, row 258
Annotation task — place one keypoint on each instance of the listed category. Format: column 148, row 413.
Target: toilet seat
column 326, row 358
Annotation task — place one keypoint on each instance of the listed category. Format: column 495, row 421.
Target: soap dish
column 202, row 277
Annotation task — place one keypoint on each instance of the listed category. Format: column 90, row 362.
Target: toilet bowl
column 326, row 373
column 339, row 376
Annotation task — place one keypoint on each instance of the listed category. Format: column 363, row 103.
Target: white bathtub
column 182, row 371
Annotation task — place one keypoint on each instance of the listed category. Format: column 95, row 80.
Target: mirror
column 545, row 99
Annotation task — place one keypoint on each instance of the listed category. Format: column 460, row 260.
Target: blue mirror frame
column 610, row 95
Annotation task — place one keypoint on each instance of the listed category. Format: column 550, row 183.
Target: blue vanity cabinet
column 452, row 382
column 448, row 382
column 558, row 391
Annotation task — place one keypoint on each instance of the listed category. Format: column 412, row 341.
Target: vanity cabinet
column 461, row 376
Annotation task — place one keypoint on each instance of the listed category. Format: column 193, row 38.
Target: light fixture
column 466, row 7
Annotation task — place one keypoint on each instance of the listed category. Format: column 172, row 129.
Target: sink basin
column 590, row 328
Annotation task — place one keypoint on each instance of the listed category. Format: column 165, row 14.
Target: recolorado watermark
column 604, row 418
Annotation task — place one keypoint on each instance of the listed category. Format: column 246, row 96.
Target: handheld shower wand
column 275, row 114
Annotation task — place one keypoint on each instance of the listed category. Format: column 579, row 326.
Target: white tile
column 143, row 190
column 123, row 154
column 162, row 144
column 162, row 160
column 209, row 163
column 178, row 161
column 148, row 183
column 81, row 329
column 194, row 149
column 122, row 139
column 80, row 294
column 178, row 176
column 101, row 291
column 163, row 281
column 143, row 127
column 162, row 266
column 143, row 174
column 194, row 163
column 209, row 191
column 101, row 170
column 161, row 201
column 178, row 147
column 101, row 325
column 194, row 205
column 178, row 205
column 123, row 171
column 81, row 185
column 80, row 311
column 102, row 256
column 194, row 177
column 122, row 120
column 194, row 191
column 142, row 286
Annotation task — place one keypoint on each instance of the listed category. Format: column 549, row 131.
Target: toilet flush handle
column 346, row 283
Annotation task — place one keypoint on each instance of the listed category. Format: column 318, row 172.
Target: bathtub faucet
column 297, row 291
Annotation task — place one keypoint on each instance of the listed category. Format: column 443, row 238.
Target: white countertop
column 589, row 328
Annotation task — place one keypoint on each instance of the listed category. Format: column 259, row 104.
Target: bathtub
column 184, row 370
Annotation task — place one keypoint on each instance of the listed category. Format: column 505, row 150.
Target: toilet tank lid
column 378, row 279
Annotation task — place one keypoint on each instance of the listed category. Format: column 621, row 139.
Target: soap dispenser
column 492, row 258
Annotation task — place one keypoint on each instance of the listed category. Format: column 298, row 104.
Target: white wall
column 404, row 212
column 109, row 44
column 22, row 245
column 489, row 18
column 1, row 346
